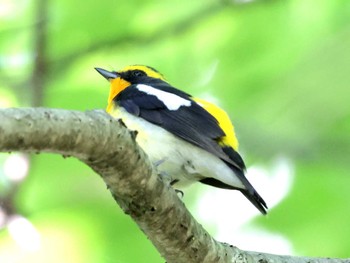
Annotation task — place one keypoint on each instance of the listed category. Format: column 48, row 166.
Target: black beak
column 107, row 74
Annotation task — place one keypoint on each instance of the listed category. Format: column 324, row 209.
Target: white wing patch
column 171, row 101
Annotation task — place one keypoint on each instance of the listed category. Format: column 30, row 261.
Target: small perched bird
column 190, row 139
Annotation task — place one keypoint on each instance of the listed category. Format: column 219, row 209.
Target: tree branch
column 110, row 149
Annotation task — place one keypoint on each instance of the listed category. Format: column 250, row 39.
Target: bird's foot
column 159, row 162
column 179, row 193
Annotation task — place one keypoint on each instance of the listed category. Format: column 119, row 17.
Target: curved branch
column 110, row 149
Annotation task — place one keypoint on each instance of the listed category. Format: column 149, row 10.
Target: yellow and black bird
column 191, row 139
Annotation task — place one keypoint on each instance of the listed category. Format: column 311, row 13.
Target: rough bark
column 110, row 149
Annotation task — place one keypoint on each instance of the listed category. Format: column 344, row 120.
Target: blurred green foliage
column 280, row 68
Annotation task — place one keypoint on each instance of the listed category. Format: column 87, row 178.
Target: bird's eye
column 138, row 73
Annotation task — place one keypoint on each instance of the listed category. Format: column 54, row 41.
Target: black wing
column 193, row 124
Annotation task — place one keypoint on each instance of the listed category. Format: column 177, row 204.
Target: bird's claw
column 159, row 162
column 179, row 193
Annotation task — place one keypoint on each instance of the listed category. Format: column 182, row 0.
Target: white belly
column 178, row 159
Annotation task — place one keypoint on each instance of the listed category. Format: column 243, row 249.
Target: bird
column 190, row 139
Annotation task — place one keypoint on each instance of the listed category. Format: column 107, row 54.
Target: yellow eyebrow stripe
column 149, row 71
column 224, row 122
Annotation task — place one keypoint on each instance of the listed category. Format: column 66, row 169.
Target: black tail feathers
column 249, row 193
column 238, row 167
column 255, row 199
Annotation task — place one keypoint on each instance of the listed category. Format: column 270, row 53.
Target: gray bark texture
column 109, row 148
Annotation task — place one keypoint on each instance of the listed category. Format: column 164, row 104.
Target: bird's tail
column 250, row 193
column 238, row 167
column 255, row 199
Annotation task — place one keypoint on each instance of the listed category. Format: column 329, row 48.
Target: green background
column 279, row 68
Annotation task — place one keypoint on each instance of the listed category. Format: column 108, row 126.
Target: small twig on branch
column 110, row 149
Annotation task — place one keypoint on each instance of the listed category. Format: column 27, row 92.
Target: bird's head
column 135, row 74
